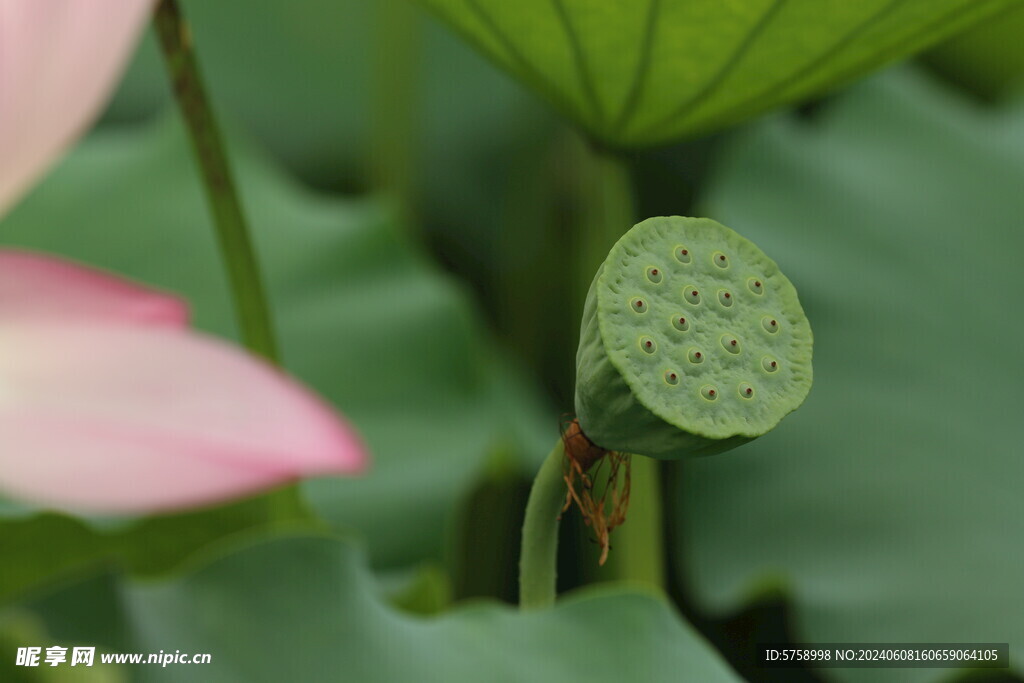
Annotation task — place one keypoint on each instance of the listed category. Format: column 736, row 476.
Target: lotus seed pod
column 669, row 365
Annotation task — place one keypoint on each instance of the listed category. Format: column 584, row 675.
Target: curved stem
column 538, row 560
column 251, row 308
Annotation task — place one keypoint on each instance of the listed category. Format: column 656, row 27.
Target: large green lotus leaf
column 305, row 609
column 643, row 73
column 362, row 316
column 889, row 506
column 987, row 58
column 40, row 546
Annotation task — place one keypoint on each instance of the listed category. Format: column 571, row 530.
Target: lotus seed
column 769, row 364
column 724, row 298
column 654, row 275
column 770, row 324
column 680, row 323
column 671, row 378
column 746, row 391
column 648, row 345
column 638, row 305
column 709, row 392
column 695, row 356
column 720, row 260
column 682, row 254
column 730, row 343
column 691, row 294
column 755, row 286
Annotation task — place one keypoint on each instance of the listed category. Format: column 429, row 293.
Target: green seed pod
column 691, row 371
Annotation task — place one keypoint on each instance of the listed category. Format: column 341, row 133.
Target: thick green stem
column 538, row 560
column 638, row 552
column 394, row 99
column 606, row 208
column 251, row 309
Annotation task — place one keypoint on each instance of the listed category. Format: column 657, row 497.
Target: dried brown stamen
column 584, row 465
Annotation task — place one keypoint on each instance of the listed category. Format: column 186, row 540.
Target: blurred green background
column 420, row 218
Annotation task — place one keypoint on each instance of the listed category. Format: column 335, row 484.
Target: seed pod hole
column 671, row 378
column 746, row 391
column 680, row 323
column 695, row 356
column 638, row 306
column 755, row 285
column 769, row 364
column 709, row 392
column 725, row 298
column 771, row 325
column 654, row 275
column 731, row 344
column 682, row 254
column 691, row 294
column 720, row 259
column 648, row 345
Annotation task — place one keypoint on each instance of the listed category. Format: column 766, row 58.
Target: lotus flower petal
column 108, row 404
column 35, row 286
column 59, row 62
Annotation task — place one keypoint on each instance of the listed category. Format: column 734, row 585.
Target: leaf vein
column 640, row 75
column 716, row 81
column 579, row 59
column 814, row 64
column 533, row 77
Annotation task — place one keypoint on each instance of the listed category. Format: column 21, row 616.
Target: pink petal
column 126, row 418
column 38, row 287
column 59, row 62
